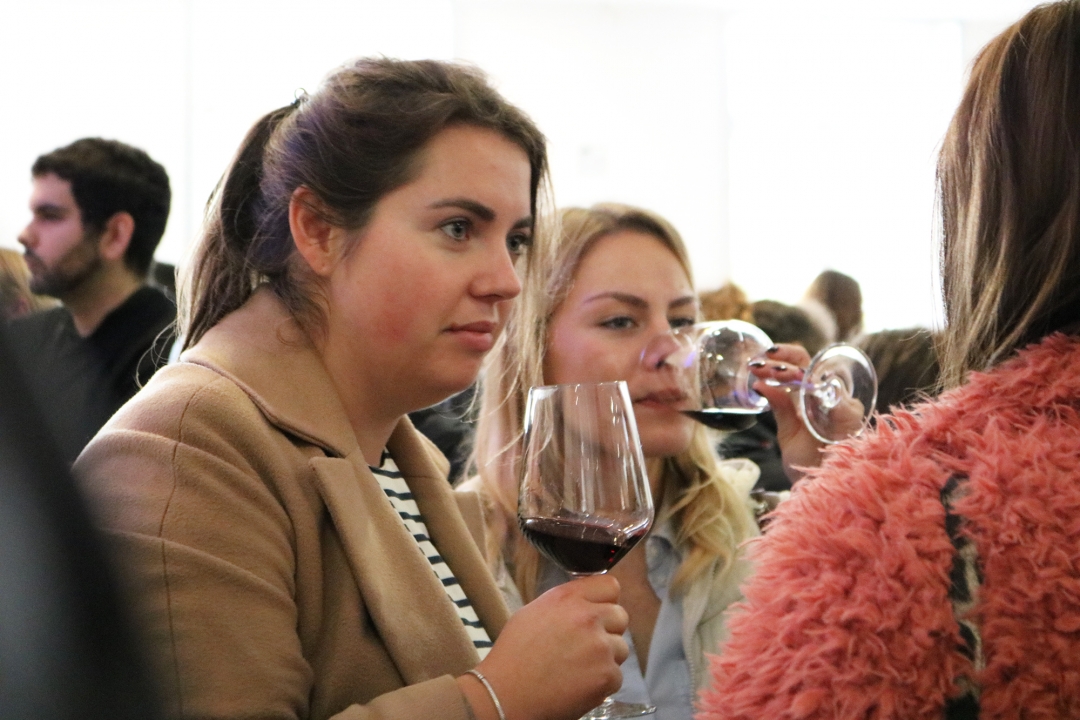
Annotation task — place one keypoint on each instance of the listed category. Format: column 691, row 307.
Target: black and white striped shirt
column 401, row 499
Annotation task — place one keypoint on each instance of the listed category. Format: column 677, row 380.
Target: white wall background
column 780, row 138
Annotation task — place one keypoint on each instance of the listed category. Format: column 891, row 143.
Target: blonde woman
column 603, row 307
column 16, row 299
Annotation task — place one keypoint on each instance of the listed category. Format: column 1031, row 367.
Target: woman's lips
column 662, row 398
column 478, row 336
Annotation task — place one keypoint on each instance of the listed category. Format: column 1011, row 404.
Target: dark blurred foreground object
column 907, row 366
column 67, row 649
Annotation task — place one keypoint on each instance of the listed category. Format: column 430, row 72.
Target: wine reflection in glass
column 837, row 392
column 585, row 500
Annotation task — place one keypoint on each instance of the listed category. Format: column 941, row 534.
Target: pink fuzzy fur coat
column 848, row 614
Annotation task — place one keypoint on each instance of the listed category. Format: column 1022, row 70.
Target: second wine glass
column 585, row 500
column 836, row 394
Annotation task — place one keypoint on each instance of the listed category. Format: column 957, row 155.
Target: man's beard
column 70, row 271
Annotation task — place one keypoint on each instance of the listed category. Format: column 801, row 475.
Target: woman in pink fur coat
column 932, row 568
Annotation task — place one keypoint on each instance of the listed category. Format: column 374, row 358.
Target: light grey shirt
column 666, row 682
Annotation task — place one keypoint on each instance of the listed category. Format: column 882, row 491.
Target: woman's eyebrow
column 627, row 298
column 479, row 210
column 682, row 302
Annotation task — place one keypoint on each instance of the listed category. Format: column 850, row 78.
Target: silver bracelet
column 490, row 691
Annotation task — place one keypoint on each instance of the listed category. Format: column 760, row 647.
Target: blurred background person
column 907, row 366
column 16, row 299
column 841, row 295
column 727, row 302
column 789, row 324
column 98, row 210
column 928, row 568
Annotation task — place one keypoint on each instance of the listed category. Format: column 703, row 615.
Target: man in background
column 99, row 209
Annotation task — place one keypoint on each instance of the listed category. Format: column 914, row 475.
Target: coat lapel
column 445, row 523
column 404, row 599
column 261, row 348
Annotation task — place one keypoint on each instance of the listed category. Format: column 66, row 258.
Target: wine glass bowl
column 715, row 374
column 585, row 499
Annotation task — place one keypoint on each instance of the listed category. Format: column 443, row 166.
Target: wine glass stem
column 793, row 384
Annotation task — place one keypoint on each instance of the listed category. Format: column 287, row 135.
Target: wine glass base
column 612, row 709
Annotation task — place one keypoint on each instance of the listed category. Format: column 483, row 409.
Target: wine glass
column 585, row 500
column 836, row 394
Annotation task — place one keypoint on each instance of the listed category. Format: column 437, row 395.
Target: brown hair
column 108, row 177
column 906, row 363
column 842, row 297
column 358, row 137
column 710, row 518
column 727, row 302
column 1009, row 184
column 788, row 324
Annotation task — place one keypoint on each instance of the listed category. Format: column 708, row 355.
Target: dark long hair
column 350, row 143
column 1009, row 180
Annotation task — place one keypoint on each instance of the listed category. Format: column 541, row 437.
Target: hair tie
column 298, row 99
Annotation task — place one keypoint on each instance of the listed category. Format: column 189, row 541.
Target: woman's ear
column 317, row 240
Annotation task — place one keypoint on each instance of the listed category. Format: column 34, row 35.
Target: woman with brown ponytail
column 292, row 540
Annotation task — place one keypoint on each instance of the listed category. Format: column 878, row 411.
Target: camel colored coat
column 275, row 578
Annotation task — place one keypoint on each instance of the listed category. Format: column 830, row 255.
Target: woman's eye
column 680, row 322
column 618, row 323
column 518, row 244
column 456, row 229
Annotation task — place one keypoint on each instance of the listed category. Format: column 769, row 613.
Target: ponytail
column 223, row 272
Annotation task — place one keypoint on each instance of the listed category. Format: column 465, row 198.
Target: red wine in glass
column 580, row 548
column 585, row 499
column 725, row 419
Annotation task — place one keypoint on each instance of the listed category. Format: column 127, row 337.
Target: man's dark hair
column 108, row 177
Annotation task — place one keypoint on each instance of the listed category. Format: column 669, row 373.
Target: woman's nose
column 663, row 349
column 499, row 279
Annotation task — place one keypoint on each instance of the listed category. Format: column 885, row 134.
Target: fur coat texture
column 848, row 614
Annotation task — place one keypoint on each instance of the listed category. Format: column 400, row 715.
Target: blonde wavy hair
column 15, row 296
column 710, row 518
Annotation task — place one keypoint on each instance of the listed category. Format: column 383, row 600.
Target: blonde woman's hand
column 785, row 364
column 558, row 657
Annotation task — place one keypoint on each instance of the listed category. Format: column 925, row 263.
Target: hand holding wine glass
column 585, row 499
column 559, row 655
column 775, row 376
column 732, row 371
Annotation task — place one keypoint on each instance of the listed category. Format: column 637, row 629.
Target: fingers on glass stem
column 780, row 371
